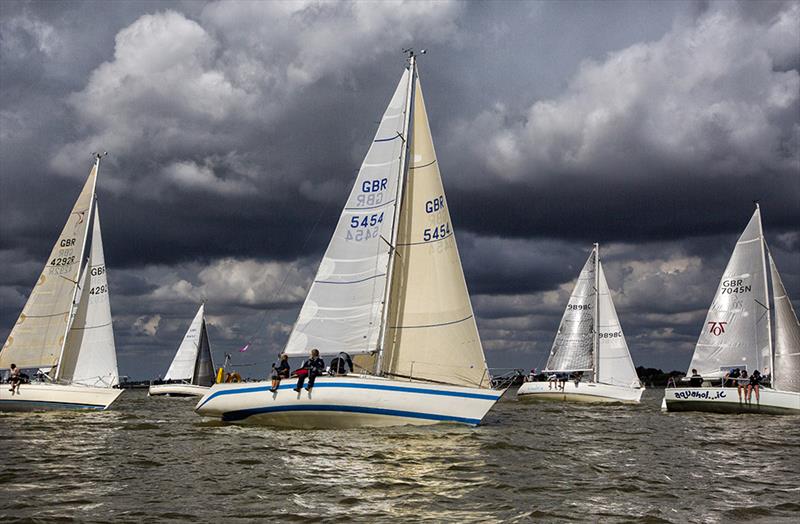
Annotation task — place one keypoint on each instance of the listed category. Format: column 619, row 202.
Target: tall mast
column 766, row 292
column 596, row 342
column 72, row 309
column 401, row 182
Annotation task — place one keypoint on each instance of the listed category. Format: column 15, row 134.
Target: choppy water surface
column 154, row 458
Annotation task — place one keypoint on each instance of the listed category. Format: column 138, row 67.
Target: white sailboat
column 65, row 330
column 737, row 333
column 191, row 372
column 589, row 340
column 390, row 290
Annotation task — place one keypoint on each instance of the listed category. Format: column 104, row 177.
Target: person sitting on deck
column 15, row 379
column 731, row 377
column 755, row 381
column 577, row 376
column 562, row 380
column 280, row 371
column 340, row 363
column 695, row 381
column 742, row 384
column 552, row 378
column 314, row 366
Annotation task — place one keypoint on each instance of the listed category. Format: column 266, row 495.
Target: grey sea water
column 154, row 459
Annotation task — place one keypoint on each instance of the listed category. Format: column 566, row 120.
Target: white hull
column 583, row 392
column 726, row 400
column 41, row 397
column 177, row 390
column 347, row 402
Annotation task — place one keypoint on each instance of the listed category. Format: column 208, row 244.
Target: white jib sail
column 615, row 364
column 90, row 355
column 736, row 330
column 786, row 375
column 573, row 346
column 342, row 311
column 431, row 331
column 37, row 338
column 182, row 366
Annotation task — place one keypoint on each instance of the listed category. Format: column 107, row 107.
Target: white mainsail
column 90, row 356
column 37, row 339
column 615, row 365
column 786, row 372
column 343, row 308
column 431, row 332
column 573, row 347
column 183, row 365
column 736, row 331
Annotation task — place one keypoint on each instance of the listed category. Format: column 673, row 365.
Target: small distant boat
column 738, row 333
column 191, row 372
column 390, row 290
column 589, row 341
column 64, row 334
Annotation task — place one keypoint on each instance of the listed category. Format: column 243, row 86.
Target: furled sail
column 431, row 332
column 786, row 375
column 36, row 340
column 183, row 365
column 204, row 366
column 573, row 346
column 614, row 359
column 90, row 355
column 736, row 330
column 343, row 308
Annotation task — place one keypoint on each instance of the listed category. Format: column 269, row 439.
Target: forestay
column 787, row 337
column 736, row 330
column 90, row 355
column 615, row 365
column 204, row 366
column 36, row 340
column 183, row 365
column 343, row 308
column 431, row 332
column 573, row 346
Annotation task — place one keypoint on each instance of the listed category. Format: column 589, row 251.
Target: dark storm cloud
column 235, row 130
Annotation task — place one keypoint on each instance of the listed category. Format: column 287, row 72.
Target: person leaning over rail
column 280, row 371
column 340, row 363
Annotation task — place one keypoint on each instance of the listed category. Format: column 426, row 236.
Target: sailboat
column 589, row 341
column 64, row 334
column 390, row 290
column 191, row 372
column 738, row 333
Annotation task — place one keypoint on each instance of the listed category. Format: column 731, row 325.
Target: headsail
column 342, row 311
column 573, row 347
column 204, row 366
column 786, row 372
column 615, row 364
column 431, row 332
column 736, row 330
column 36, row 340
column 90, row 355
column 183, row 365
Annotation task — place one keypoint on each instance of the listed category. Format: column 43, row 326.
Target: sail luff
column 401, row 182
column 596, row 336
column 765, row 305
column 72, row 310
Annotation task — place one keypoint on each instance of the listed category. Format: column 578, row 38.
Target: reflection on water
column 154, row 458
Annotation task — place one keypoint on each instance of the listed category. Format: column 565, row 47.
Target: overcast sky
column 235, row 129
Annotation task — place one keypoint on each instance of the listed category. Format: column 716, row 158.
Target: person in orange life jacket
column 315, row 366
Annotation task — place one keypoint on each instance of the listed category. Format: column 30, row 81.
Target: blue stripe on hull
column 33, row 404
column 355, row 385
column 234, row 416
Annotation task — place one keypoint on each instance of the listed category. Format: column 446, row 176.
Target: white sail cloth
column 615, row 365
column 573, row 347
column 36, row 340
column 90, row 356
column 736, row 330
column 183, row 364
column 343, row 308
column 431, row 332
column 786, row 375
